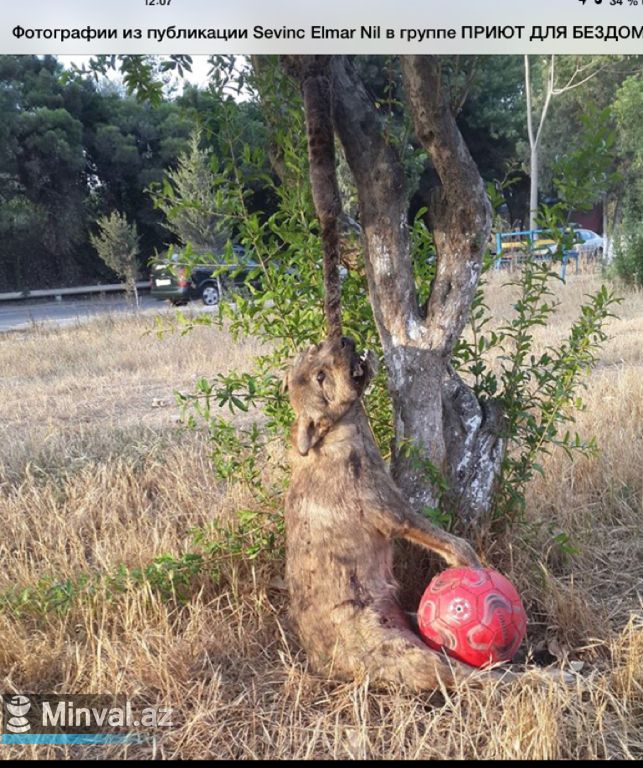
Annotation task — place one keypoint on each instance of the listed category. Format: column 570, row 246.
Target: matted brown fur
column 343, row 512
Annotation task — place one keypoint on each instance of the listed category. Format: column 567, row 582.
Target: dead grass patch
column 92, row 474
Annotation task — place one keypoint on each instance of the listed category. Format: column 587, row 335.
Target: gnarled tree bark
column 461, row 218
column 435, row 411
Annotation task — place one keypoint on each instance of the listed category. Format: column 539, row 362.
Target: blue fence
column 526, row 243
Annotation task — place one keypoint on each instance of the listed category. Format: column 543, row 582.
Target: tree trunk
column 131, row 289
column 534, row 139
column 612, row 234
column 437, row 417
column 460, row 215
column 533, row 188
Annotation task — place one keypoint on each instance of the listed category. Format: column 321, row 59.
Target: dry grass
column 95, row 471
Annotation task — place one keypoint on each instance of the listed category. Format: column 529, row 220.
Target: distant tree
column 581, row 72
column 41, row 166
column 117, row 245
column 129, row 146
column 191, row 197
column 73, row 149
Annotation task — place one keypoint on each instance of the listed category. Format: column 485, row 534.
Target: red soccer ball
column 474, row 614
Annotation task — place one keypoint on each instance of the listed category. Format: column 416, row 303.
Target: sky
column 198, row 76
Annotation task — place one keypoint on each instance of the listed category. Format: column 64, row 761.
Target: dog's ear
column 309, row 432
column 305, row 432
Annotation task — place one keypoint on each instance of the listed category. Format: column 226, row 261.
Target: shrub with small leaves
column 539, row 393
column 117, row 245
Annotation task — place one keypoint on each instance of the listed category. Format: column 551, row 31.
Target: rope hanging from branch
column 313, row 73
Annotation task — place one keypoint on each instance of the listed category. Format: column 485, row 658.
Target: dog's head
column 324, row 382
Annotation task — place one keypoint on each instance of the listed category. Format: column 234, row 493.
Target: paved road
column 20, row 315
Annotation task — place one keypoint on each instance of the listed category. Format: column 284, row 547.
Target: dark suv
column 179, row 282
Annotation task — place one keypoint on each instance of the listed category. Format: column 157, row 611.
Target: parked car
column 589, row 242
column 585, row 242
column 181, row 282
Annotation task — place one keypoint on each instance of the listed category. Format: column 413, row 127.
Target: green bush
column 628, row 258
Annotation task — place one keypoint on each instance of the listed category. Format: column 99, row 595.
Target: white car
column 589, row 242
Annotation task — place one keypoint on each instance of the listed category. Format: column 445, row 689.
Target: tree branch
column 571, row 84
column 460, row 213
column 458, row 104
column 548, row 96
column 379, row 178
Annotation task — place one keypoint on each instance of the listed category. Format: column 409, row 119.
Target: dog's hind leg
column 402, row 657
